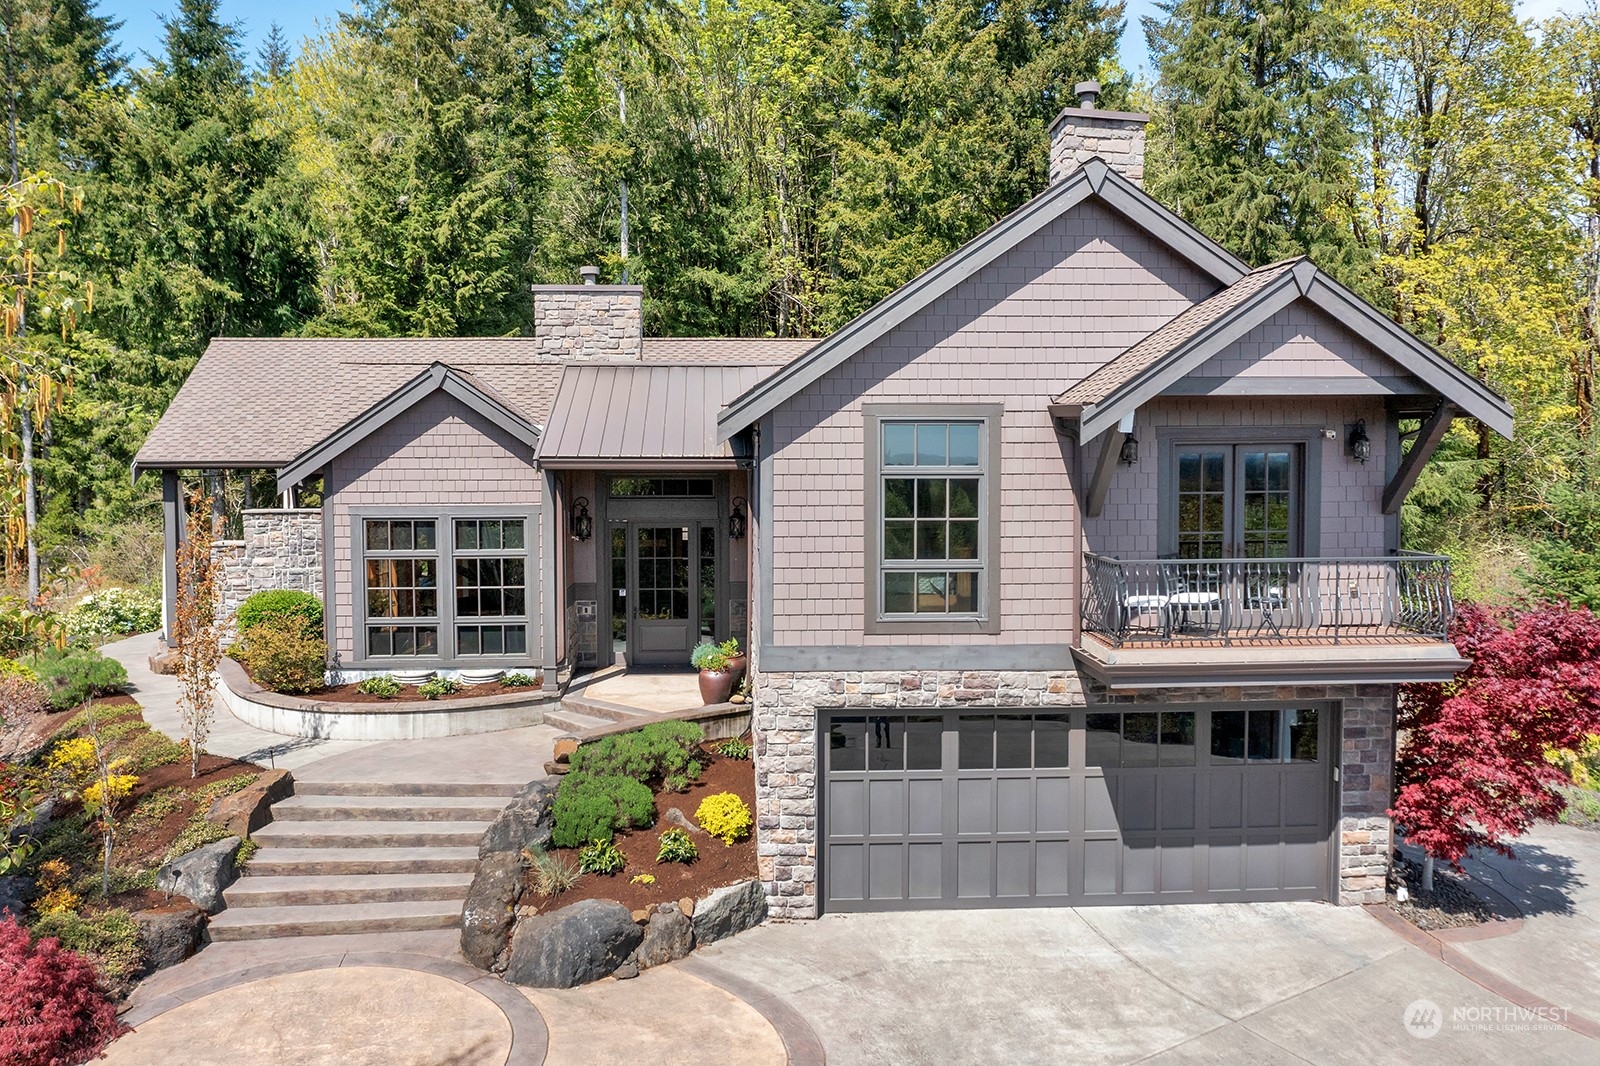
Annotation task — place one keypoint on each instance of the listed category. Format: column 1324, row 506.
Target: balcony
column 1266, row 621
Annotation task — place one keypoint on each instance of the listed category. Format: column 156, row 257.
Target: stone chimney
column 589, row 320
column 1080, row 133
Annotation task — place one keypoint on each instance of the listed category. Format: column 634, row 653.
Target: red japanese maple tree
column 52, row 1008
column 1471, row 771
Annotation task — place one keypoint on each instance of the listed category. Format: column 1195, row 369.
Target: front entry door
column 660, row 597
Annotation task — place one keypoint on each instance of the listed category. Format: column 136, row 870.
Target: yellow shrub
column 58, row 901
column 54, row 874
column 73, row 759
column 725, row 817
column 642, row 879
column 121, row 787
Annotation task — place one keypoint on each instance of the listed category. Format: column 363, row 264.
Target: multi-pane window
column 474, row 587
column 402, row 570
column 932, row 496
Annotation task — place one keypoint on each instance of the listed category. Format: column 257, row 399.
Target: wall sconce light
column 582, row 524
column 1357, row 444
column 736, row 519
column 1130, row 450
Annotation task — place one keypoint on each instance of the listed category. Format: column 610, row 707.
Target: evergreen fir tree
column 273, row 56
column 1253, row 143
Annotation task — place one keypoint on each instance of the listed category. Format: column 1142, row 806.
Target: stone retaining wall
column 787, row 767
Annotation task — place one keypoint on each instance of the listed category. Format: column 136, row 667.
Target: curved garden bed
column 304, row 716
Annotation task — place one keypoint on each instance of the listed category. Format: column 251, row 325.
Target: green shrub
column 711, row 656
column 438, row 686
column 16, row 668
column 677, row 846
column 153, row 809
column 110, row 938
column 519, row 680
column 247, row 851
column 382, row 686
column 226, row 787
column 197, row 834
column 734, row 749
column 656, row 752
column 114, row 612
column 282, row 609
column 601, row 857
column 590, row 808
column 150, row 749
column 284, row 659
column 71, row 677
column 725, row 816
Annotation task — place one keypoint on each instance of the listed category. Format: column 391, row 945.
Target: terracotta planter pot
column 717, row 685
column 737, row 666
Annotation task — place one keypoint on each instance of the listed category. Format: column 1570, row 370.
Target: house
column 1071, row 569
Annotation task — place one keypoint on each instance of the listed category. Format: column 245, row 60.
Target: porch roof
column 628, row 414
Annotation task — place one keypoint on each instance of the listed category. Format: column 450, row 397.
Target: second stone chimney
column 589, row 320
column 1080, row 133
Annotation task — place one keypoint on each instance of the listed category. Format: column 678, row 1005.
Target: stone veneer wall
column 1080, row 134
column 280, row 550
column 579, row 322
column 787, row 768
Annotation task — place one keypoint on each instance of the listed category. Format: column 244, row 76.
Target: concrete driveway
column 1266, row 983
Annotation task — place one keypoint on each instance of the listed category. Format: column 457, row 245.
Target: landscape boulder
column 16, row 892
column 169, row 935
column 572, row 946
column 668, row 935
column 525, row 822
column 491, row 908
column 729, row 910
column 247, row 810
column 202, row 874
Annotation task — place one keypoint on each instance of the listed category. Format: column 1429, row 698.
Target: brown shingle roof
column 1184, row 328
column 263, row 401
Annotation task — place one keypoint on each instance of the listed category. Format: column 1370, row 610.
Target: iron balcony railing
column 1287, row 601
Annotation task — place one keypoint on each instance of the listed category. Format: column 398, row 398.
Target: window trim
column 988, row 472
column 445, row 517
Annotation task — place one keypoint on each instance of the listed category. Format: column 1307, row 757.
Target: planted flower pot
column 721, row 669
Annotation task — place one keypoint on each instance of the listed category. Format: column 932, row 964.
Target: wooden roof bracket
column 1428, row 438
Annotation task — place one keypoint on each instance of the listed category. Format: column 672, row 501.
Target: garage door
column 1133, row 806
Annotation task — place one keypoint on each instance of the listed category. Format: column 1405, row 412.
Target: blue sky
column 141, row 31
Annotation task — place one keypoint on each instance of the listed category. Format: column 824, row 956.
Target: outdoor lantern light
column 1130, row 450
column 736, row 520
column 1359, row 444
column 582, row 524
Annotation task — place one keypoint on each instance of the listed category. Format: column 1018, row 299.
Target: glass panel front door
column 658, row 598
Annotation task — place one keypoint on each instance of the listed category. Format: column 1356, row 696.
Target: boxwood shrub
column 661, row 751
column 281, row 608
column 590, row 808
column 70, row 677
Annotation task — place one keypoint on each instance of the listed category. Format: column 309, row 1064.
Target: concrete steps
column 574, row 721
column 361, row 857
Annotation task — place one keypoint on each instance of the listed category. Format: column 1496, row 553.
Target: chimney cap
column 590, row 274
column 1087, row 92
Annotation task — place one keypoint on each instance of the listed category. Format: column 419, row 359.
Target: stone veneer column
column 280, row 550
column 787, row 760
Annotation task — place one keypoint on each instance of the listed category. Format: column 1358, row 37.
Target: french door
column 1238, row 501
column 663, row 588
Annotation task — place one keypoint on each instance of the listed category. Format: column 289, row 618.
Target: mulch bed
column 716, row 866
column 408, row 693
column 1451, row 904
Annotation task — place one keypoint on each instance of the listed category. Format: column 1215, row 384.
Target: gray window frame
column 1308, row 490
column 987, row 620
column 445, row 547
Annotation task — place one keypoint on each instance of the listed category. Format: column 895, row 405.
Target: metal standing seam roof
column 644, row 411
column 262, row 402
column 1186, row 326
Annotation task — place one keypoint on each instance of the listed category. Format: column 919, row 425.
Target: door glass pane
column 924, row 738
column 1013, row 741
column 619, row 588
column 1262, row 740
column 886, row 750
column 663, row 572
column 1302, row 735
column 1202, row 503
column 1104, row 738
column 847, row 744
column 1266, row 503
column 1177, row 738
column 1227, row 736
column 708, row 582
column 1140, row 736
column 1050, row 740
column 977, row 743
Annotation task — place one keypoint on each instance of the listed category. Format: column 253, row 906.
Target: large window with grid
column 933, row 492
column 446, row 587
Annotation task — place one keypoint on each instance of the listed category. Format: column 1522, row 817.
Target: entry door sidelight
column 663, row 597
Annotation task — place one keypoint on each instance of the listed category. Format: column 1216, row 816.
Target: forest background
column 415, row 167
